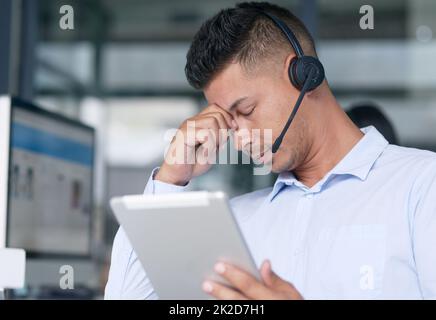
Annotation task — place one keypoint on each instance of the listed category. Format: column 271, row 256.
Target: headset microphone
column 305, row 73
column 303, row 91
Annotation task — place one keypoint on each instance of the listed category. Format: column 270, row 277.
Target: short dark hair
column 241, row 34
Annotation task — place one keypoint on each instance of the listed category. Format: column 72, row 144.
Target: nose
column 241, row 137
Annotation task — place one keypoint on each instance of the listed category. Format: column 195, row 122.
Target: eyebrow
column 236, row 103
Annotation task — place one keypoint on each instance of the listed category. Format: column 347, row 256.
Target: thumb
column 268, row 276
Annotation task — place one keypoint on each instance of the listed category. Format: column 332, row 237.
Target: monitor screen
column 50, row 183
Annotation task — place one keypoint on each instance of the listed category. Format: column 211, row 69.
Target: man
column 349, row 216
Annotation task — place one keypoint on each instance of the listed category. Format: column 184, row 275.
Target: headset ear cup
column 299, row 69
column 292, row 73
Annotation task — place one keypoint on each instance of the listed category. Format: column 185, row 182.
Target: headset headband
column 287, row 32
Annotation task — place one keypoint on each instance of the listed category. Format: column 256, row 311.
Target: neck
column 330, row 144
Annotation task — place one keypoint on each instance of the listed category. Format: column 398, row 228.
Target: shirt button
column 297, row 252
column 309, row 195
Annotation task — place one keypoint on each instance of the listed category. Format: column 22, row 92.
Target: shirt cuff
column 156, row 186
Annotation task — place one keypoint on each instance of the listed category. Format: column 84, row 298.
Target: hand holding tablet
column 180, row 237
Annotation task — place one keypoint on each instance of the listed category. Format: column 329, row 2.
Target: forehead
column 232, row 83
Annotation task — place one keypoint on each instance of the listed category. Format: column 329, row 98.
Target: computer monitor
column 45, row 181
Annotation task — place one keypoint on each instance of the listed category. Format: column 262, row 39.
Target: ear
column 286, row 65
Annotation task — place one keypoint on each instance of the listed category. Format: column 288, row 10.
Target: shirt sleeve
column 127, row 278
column 424, row 234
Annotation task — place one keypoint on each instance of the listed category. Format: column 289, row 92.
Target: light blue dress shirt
column 367, row 230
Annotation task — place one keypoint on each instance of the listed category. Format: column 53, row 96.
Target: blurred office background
column 121, row 70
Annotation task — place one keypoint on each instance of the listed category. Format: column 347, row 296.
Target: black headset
column 305, row 73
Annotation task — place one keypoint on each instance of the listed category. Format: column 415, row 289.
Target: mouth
column 262, row 157
column 256, row 155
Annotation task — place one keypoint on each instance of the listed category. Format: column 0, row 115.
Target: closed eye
column 249, row 113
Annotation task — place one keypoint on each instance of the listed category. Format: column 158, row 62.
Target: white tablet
column 179, row 238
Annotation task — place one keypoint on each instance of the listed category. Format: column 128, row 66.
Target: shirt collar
column 358, row 161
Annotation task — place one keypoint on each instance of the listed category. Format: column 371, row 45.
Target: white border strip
column 5, row 117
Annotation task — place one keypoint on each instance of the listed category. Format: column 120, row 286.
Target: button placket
column 301, row 224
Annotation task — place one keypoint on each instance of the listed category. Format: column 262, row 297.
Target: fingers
column 193, row 149
column 216, row 109
column 197, row 129
column 242, row 285
column 248, row 285
column 206, row 153
column 218, row 124
column 211, row 118
column 222, row 292
column 224, row 119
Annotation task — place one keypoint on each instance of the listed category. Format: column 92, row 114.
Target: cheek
column 270, row 121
